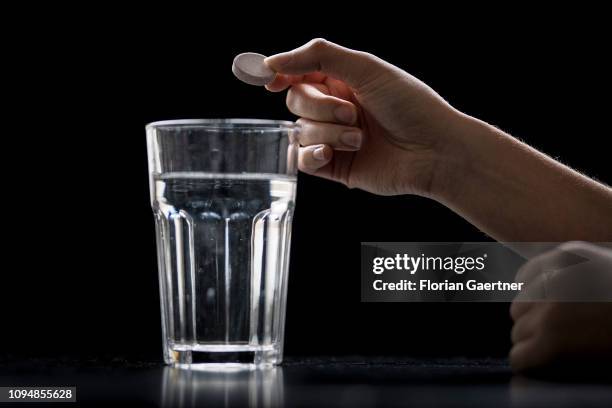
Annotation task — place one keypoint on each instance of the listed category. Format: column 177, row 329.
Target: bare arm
column 370, row 125
column 515, row 193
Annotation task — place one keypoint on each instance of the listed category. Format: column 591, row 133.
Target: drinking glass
column 223, row 195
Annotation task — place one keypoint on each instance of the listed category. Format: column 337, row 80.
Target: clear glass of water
column 223, row 194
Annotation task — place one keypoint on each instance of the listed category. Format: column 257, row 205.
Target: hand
column 556, row 334
column 364, row 122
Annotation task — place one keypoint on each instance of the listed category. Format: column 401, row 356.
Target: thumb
column 355, row 68
column 586, row 250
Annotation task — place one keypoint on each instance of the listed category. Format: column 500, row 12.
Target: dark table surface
column 350, row 382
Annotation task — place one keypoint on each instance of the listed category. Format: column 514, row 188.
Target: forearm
column 515, row 193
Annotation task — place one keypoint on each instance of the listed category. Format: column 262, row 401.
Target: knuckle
column 305, row 133
column 514, row 309
column 328, row 101
column 291, row 99
column 305, row 169
column 518, row 357
column 302, row 165
column 572, row 246
column 514, row 332
column 298, row 101
column 318, row 44
column 366, row 56
column 530, row 270
column 295, row 102
column 522, row 273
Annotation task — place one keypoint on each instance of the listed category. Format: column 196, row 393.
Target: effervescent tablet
column 249, row 67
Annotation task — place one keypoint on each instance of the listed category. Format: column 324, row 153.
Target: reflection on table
column 233, row 386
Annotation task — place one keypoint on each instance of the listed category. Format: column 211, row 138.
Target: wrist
column 460, row 146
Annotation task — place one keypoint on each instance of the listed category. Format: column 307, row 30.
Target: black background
column 80, row 277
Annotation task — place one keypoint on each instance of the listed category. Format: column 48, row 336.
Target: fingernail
column 319, row 153
column 297, row 131
column 278, row 61
column 351, row 138
column 345, row 114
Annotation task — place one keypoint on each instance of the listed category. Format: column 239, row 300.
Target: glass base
column 189, row 356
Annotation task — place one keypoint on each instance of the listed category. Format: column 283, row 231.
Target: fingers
column 282, row 81
column 339, row 137
column 532, row 268
column 525, row 326
column 353, row 67
column 518, row 309
column 309, row 101
column 560, row 260
column 547, row 262
column 586, row 250
column 322, row 78
column 528, row 354
column 561, row 257
column 574, row 271
column 534, row 289
column 313, row 158
column 540, row 337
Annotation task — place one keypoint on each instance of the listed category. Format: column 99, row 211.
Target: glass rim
column 220, row 123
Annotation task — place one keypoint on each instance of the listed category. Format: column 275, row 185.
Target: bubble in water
column 210, row 295
column 209, row 216
column 239, row 216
